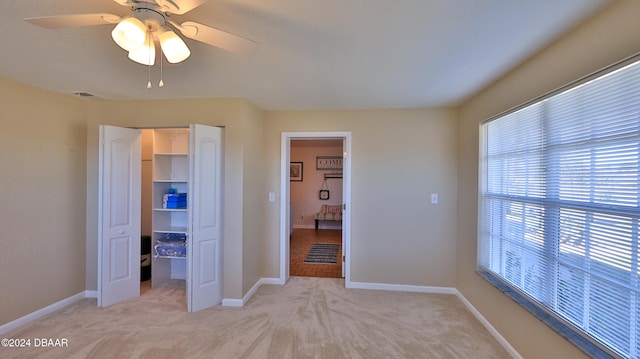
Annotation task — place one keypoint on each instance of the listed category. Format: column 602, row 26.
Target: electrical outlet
column 434, row 198
column 272, row 196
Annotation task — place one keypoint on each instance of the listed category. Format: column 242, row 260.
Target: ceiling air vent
column 82, row 94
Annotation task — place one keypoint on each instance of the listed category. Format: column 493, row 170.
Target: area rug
column 323, row 253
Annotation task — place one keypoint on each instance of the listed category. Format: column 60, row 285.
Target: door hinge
column 343, row 258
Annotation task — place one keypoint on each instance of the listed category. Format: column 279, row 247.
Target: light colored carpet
column 306, row 318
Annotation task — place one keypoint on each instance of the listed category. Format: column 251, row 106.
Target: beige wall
column 398, row 158
column 254, row 199
column 42, row 163
column 611, row 36
column 236, row 115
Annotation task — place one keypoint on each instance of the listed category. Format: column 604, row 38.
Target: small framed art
column 295, row 171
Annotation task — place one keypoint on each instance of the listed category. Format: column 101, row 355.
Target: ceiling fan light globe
column 145, row 54
column 129, row 34
column 174, row 49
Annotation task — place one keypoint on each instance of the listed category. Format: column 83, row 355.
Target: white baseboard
column 321, row 226
column 42, row 312
column 91, row 294
column 505, row 344
column 401, row 288
column 232, row 303
column 272, row 281
column 304, row 226
column 250, row 293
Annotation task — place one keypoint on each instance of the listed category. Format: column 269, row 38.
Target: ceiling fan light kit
column 130, row 33
column 174, row 49
column 138, row 32
column 145, row 54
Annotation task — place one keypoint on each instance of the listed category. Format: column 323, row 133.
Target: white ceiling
column 314, row 54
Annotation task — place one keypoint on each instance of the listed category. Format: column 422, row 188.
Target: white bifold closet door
column 119, row 216
column 204, row 249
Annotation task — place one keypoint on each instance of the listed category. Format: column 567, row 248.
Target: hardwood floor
column 301, row 242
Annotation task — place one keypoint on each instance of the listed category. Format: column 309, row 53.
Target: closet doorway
column 187, row 165
column 324, row 159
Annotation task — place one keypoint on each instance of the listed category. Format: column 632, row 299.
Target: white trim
column 241, row 302
column 251, row 292
column 271, row 281
column 100, row 224
column 285, row 151
column 346, row 211
column 91, row 294
column 321, row 226
column 42, row 312
column 505, row 344
column 402, row 288
column 304, row 226
column 232, row 303
column 285, row 148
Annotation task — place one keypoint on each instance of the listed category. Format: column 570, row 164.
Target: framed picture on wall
column 328, row 163
column 295, row 171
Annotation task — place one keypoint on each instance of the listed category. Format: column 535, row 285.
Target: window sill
column 564, row 330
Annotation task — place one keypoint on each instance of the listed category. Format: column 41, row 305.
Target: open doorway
column 185, row 202
column 315, row 192
column 315, row 173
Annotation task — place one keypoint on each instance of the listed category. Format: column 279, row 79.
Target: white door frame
column 285, row 155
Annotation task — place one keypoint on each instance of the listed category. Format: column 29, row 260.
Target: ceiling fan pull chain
column 161, row 83
column 149, row 54
column 149, row 82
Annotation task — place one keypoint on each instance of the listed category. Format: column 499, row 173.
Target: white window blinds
column 560, row 206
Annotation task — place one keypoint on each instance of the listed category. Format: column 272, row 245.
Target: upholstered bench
column 329, row 213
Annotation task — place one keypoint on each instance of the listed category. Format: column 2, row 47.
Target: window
column 560, row 206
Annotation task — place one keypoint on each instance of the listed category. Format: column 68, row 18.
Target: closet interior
column 165, row 188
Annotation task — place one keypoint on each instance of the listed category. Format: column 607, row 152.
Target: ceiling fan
column 149, row 22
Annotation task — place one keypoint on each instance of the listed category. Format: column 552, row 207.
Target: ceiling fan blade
column 66, row 21
column 217, row 38
column 179, row 7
